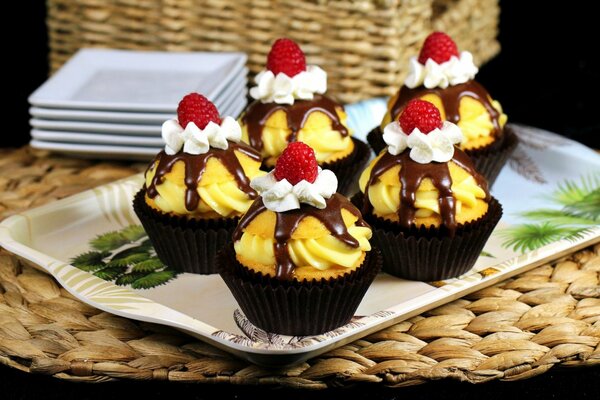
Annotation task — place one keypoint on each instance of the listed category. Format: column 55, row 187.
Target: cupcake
column 430, row 209
column 301, row 261
column 290, row 105
column 196, row 189
column 446, row 78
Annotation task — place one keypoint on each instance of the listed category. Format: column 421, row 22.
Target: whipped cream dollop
column 283, row 89
column 437, row 145
column 452, row 72
column 280, row 196
column 196, row 141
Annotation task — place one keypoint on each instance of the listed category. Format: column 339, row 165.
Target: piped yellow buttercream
column 329, row 144
column 219, row 193
column 384, row 195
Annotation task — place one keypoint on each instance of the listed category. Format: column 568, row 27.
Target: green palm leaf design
column 109, row 241
column 128, row 260
column 587, row 208
column 125, row 257
column 146, row 245
column 128, row 279
column 110, row 273
column 154, row 279
column 570, row 193
column 133, row 233
column 560, row 217
column 90, row 261
column 579, row 202
column 149, row 265
column 522, row 238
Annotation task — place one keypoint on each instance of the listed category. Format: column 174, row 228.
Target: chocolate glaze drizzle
column 287, row 222
column 258, row 113
column 412, row 174
column 450, row 97
column 195, row 164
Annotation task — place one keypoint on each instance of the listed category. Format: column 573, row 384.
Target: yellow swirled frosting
column 315, row 251
column 384, row 195
column 475, row 120
column 219, row 193
column 317, row 129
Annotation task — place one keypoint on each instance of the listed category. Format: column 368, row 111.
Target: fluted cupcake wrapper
column 292, row 307
column 375, row 139
column 185, row 245
column 430, row 254
column 348, row 168
column 489, row 162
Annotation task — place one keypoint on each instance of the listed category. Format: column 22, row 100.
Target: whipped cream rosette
column 436, row 145
column 305, row 242
column 197, row 186
column 458, row 69
column 283, row 89
column 193, row 140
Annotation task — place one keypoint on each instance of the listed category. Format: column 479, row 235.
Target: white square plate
column 97, row 138
column 230, row 107
column 93, row 127
column 106, row 146
column 237, row 87
column 97, row 79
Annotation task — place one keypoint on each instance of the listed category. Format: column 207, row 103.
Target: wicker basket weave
column 362, row 44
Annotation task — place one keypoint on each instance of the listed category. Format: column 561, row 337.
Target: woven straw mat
column 517, row 329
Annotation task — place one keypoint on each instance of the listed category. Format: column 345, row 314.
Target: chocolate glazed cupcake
column 430, row 209
column 446, row 79
column 301, row 261
column 196, row 188
column 290, row 105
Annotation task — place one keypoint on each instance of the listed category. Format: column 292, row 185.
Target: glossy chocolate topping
column 258, row 113
column 287, row 222
column 412, row 174
column 450, row 97
column 195, row 164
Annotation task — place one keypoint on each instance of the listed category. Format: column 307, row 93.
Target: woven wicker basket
column 362, row 44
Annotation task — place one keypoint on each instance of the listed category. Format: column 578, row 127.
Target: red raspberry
column 197, row 109
column 297, row 162
column 287, row 57
column 420, row 114
column 439, row 47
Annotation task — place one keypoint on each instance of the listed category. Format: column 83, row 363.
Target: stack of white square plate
column 112, row 103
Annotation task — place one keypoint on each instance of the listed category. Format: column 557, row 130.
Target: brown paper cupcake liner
column 429, row 253
column 185, row 245
column 292, row 307
column 375, row 140
column 489, row 161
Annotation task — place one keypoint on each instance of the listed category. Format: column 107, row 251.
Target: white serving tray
column 123, row 80
column 51, row 235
